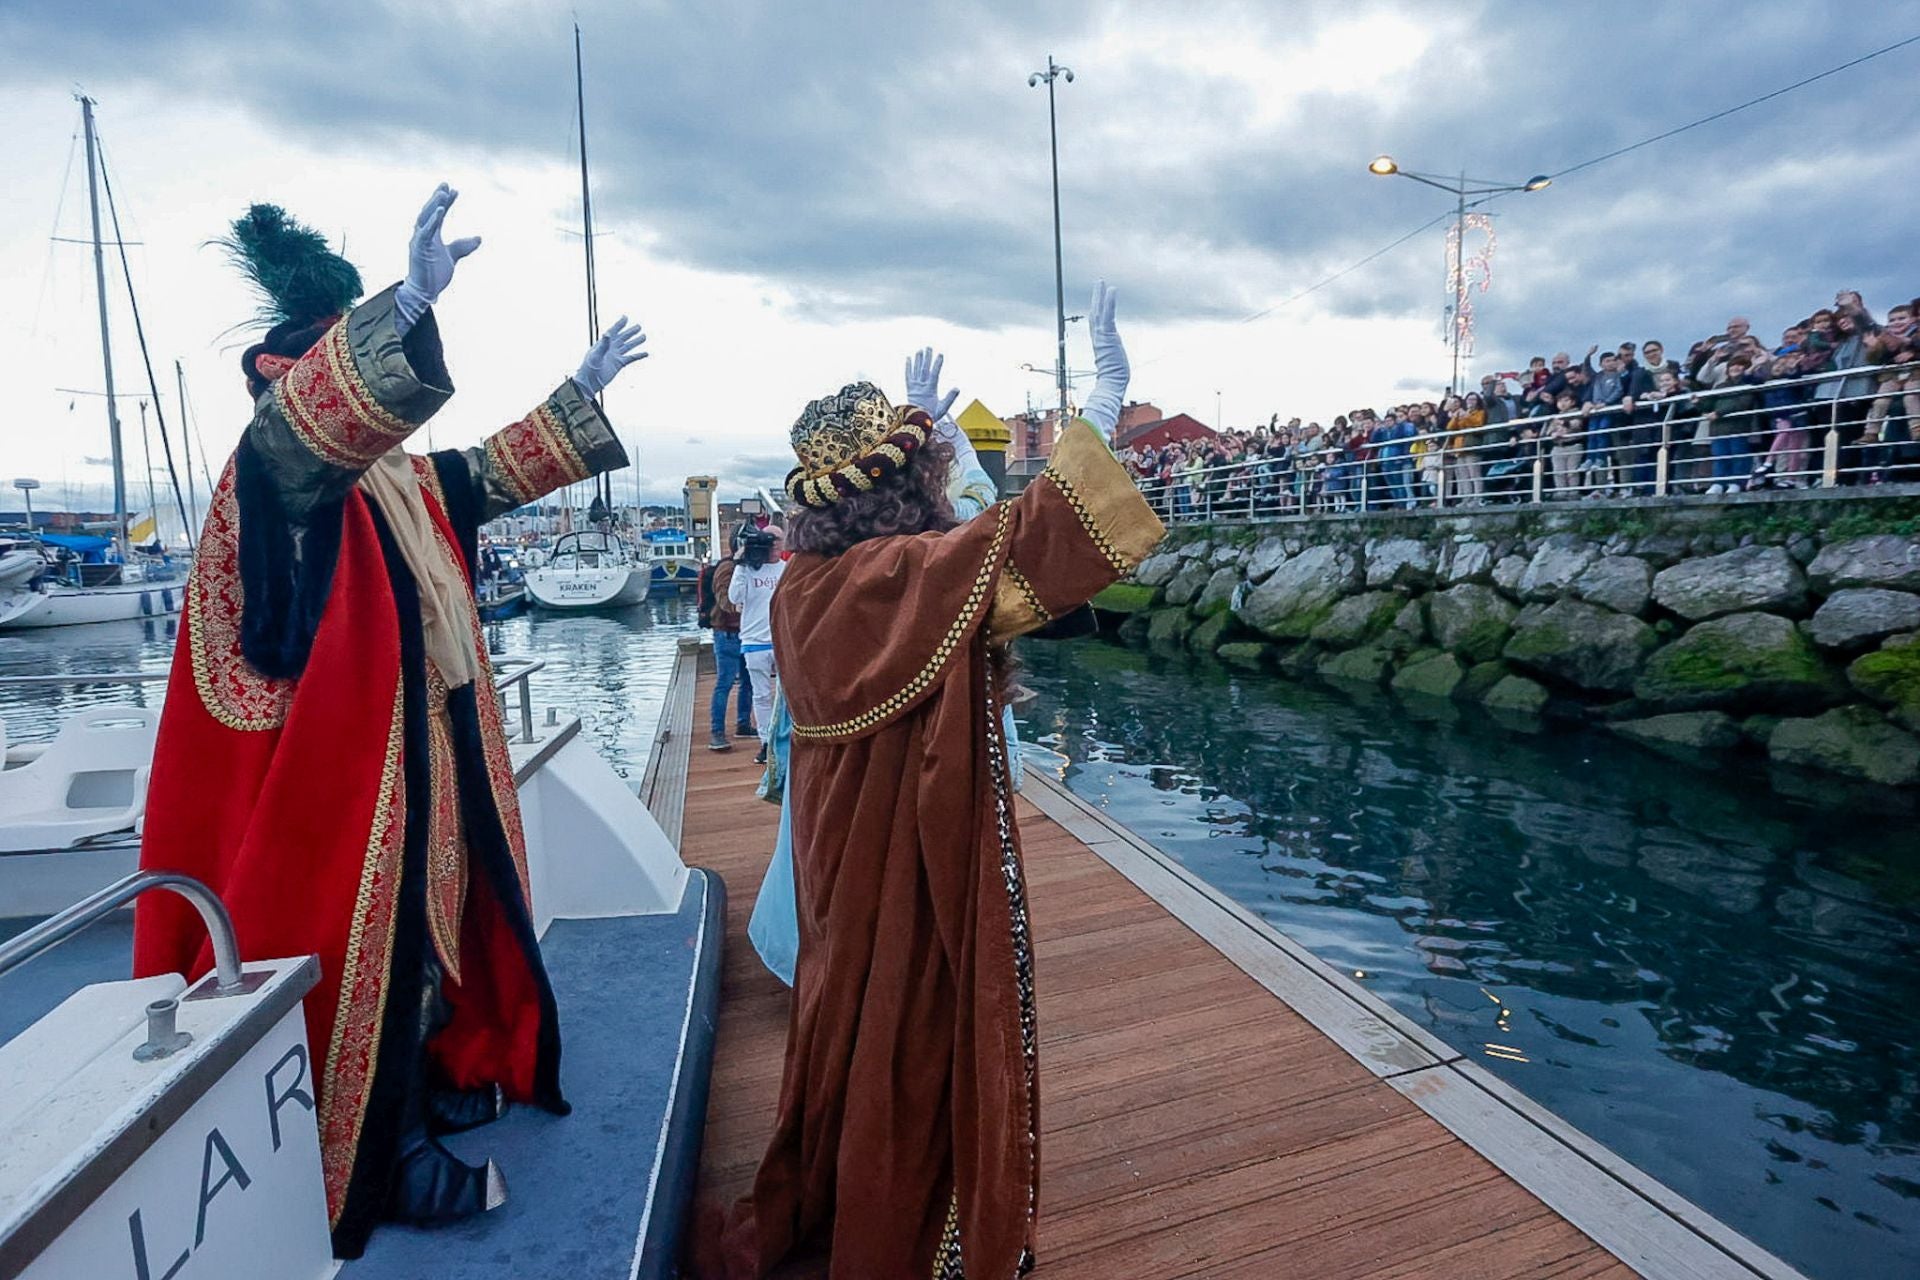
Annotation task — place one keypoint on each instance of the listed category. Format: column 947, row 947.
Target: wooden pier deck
column 1194, row 1123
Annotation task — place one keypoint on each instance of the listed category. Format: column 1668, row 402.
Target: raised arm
column 565, row 439
column 969, row 487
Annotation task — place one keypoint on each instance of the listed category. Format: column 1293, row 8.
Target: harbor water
column 1717, row 978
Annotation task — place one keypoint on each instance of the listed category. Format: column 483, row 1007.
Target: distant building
column 1034, row 433
column 1158, row 432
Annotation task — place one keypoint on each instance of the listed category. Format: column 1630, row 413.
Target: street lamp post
column 1054, row 72
column 1459, row 188
column 26, row 485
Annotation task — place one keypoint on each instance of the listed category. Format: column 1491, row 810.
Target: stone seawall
column 1788, row 629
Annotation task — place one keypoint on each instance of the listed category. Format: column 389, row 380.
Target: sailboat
column 85, row 578
column 589, row 568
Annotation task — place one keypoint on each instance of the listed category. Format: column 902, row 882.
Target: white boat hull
column 60, row 606
column 611, row 587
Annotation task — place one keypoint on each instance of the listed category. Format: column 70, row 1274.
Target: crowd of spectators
column 1735, row 415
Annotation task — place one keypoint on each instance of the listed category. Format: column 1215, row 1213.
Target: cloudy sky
column 793, row 195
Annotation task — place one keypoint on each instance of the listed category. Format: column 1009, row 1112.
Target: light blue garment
column 775, row 927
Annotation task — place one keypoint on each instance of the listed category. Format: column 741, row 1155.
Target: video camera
column 756, row 547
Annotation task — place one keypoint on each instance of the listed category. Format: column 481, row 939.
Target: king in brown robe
column 907, row 1138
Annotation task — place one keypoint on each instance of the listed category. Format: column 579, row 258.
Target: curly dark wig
column 914, row 501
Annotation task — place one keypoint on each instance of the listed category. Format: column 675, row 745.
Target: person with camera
column 750, row 590
column 719, row 613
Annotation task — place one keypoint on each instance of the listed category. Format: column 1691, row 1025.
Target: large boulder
column 1218, row 593
column 1169, row 628
column 1470, row 561
column 1366, row 665
column 1621, row 583
column 1124, row 598
column 1187, row 584
column 1299, row 594
column 1399, row 562
column 1854, row 617
column 1745, row 660
column 1663, row 548
column 1507, row 573
column 1470, row 620
column 1580, row 644
column 1249, row 654
column 1732, row 582
column 1210, row 634
column 1480, row 679
column 1157, row 569
column 1682, row 734
column 1227, row 553
column 1854, row 741
column 1517, row 695
column 1891, row 677
column 1436, row 676
column 1560, row 559
column 1885, row 560
column 1266, row 558
column 1358, row 618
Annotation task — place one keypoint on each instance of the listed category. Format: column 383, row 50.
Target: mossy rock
column 1297, row 660
column 1891, row 677
column 1517, row 695
column 1584, row 645
column 1358, row 619
column 1437, row 676
column 1756, row 661
column 1682, row 735
column 1217, row 595
column 1125, row 598
column 1367, row 665
column 1209, row 635
column 1479, row 680
column 1471, row 620
column 1134, row 629
column 1757, row 729
column 1168, row 628
column 1853, row 741
column 1250, row 655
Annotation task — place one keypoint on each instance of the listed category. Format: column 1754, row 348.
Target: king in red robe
column 331, row 759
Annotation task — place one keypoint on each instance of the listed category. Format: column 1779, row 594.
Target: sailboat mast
column 106, row 342
column 186, row 444
column 602, row 487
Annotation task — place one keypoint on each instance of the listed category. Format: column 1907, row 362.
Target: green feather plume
column 296, row 276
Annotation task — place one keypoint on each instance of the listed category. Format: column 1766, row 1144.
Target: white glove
column 923, row 383
column 618, row 347
column 1110, row 367
column 429, row 260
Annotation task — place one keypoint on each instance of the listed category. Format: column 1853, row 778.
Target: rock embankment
column 1805, row 648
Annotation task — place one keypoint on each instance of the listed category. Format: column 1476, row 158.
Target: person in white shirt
column 755, row 576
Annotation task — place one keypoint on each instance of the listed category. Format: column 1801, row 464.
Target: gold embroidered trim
column 429, row 478
column 946, row 1258
column 1026, row 590
column 975, row 597
column 446, row 840
column 354, row 1047
column 232, row 692
column 1098, row 535
column 329, row 406
column 536, row 455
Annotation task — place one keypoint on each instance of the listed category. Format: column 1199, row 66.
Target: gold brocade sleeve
column 1089, row 527
column 361, row 390
column 564, row 440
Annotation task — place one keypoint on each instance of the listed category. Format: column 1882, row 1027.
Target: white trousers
column 760, row 667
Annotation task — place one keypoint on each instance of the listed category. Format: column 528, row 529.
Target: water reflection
column 1715, row 979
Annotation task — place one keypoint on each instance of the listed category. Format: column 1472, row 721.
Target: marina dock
column 1214, row 1101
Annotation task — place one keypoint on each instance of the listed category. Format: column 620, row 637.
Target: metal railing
column 510, row 673
column 1699, row 443
column 95, row 907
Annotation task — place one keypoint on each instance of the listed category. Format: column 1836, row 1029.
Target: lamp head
column 1537, row 182
column 1034, row 80
column 1068, row 73
column 1383, row 166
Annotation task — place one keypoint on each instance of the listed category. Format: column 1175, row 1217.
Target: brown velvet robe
column 907, row 1137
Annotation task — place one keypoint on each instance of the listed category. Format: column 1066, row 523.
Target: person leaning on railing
column 1887, row 443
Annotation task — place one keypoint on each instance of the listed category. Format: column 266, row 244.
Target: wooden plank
column 1192, row 1124
column 663, row 784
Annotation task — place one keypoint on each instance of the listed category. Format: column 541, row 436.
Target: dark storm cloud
column 879, row 160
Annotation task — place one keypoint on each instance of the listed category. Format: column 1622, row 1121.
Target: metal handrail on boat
column 509, row 672
column 56, row 929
